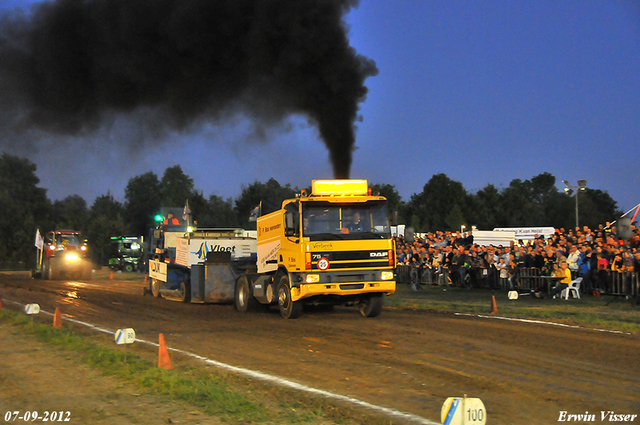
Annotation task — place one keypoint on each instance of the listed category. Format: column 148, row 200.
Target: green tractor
column 125, row 253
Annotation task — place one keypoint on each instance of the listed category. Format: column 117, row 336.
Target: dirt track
column 410, row 361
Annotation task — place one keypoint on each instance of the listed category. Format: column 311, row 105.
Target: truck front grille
column 374, row 259
column 349, row 286
column 351, row 277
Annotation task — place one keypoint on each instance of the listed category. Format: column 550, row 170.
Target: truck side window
column 291, row 220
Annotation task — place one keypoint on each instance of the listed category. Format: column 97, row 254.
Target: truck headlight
column 386, row 275
column 71, row 257
column 313, row 278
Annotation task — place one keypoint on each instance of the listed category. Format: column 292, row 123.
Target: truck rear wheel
column 155, row 287
column 244, row 299
column 372, row 306
column 288, row 309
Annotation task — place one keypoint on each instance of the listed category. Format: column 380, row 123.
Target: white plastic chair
column 574, row 286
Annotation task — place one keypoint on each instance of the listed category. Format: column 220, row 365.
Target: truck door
column 290, row 251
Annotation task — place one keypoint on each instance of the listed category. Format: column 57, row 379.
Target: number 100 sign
column 463, row 411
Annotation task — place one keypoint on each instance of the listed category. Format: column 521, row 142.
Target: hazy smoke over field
column 69, row 66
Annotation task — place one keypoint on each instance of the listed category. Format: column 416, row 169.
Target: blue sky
column 485, row 92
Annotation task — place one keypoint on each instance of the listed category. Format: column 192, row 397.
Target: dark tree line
column 443, row 204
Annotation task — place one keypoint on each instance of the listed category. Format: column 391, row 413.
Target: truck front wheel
column 372, row 306
column 288, row 308
column 244, row 299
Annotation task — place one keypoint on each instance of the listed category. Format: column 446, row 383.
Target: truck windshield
column 68, row 240
column 330, row 221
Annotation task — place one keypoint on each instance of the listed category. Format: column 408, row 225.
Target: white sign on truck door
column 158, row 270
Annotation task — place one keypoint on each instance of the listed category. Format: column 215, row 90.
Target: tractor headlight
column 71, row 257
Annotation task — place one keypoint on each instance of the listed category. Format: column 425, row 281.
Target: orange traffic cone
column 57, row 318
column 111, row 275
column 146, row 278
column 1, row 305
column 164, row 361
column 494, row 306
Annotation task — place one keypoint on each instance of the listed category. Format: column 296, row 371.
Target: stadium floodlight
column 570, row 189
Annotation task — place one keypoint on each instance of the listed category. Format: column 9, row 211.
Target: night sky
column 485, row 92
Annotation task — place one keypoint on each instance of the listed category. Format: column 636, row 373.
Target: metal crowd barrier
column 425, row 276
column 623, row 283
column 527, row 279
column 432, row 276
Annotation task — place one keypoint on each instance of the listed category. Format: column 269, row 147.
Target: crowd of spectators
column 453, row 258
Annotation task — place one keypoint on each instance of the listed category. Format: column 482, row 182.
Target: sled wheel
column 185, row 292
column 155, row 287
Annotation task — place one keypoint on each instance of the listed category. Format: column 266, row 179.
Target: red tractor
column 65, row 255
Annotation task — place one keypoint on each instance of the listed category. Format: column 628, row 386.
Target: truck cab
column 331, row 246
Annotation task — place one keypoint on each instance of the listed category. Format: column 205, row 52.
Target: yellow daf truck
column 331, row 246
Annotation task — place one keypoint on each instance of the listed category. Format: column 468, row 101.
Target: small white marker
column 32, row 309
column 463, row 411
column 513, row 295
column 125, row 336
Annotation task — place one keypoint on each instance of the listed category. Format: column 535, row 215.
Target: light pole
column 582, row 186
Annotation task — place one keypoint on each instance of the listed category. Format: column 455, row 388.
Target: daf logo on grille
column 378, row 254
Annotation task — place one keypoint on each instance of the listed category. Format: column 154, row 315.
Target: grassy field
column 604, row 312
column 229, row 398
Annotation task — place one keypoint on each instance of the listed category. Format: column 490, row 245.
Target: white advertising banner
column 528, row 233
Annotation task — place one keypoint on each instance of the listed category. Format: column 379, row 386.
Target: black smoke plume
column 68, row 64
